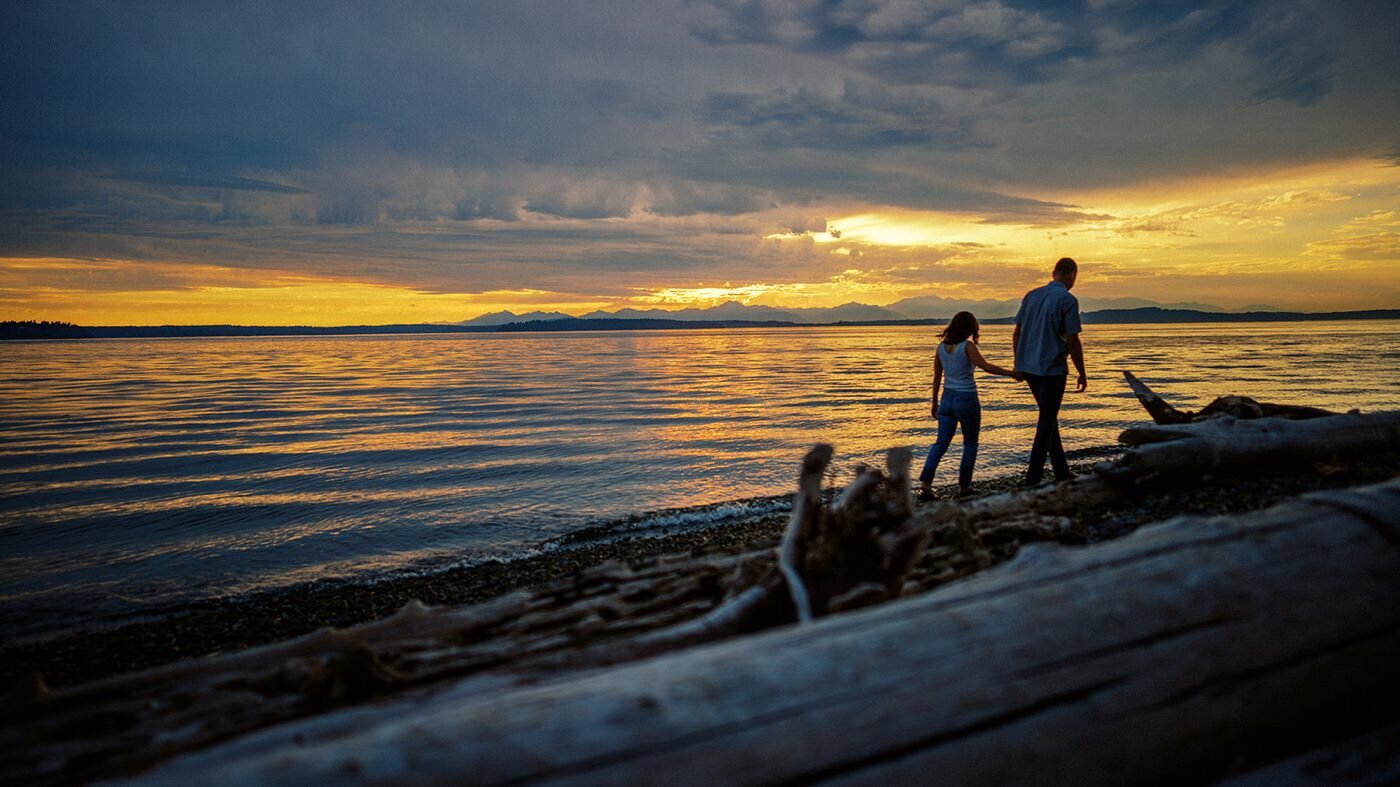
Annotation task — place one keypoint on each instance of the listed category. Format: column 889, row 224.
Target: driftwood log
column 1242, row 407
column 1235, row 445
column 1168, row 656
column 1369, row 759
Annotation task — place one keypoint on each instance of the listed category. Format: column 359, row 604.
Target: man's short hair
column 1065, row 266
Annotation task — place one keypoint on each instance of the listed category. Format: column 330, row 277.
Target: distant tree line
column 31, row 329
column 42, row 329
column 1156, row 314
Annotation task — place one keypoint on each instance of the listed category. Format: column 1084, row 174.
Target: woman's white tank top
column 957, row 369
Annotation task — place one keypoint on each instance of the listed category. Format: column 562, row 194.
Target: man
column 1047, row 328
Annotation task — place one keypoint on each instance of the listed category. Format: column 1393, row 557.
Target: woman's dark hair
column 960, row 328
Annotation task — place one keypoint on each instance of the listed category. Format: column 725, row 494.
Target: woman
column 957, row 354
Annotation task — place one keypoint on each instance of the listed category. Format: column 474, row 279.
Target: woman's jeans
column 956, row 407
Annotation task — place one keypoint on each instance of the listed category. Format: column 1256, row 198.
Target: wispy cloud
column 1373, row 237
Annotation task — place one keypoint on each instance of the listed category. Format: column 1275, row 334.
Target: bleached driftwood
column 860, row 549
column 806, row 507
column 1163, row 412
column 1167, row 656
column 856, row 552
column 1233, row 445
column 1361, row 761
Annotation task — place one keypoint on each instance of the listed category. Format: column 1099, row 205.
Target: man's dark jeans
column 1049, row 391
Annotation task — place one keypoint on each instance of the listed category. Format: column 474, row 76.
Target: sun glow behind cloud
column 1231, row 240
column 1200, row 238
column 843, row 287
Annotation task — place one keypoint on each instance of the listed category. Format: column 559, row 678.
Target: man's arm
column 1015, row 343
column 1076, row 352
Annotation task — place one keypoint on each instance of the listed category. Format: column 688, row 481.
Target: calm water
column 139, row 473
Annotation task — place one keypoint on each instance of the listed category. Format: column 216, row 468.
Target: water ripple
column 143, row 472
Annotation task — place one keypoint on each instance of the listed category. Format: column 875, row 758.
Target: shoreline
column 679, row 523
column 719, row 525
column 239, row 622
column 229, row 623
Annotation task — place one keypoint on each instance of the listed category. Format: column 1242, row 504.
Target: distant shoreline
column 19, row 330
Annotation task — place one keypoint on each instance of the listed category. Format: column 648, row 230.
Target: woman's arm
column 937, row 381
column 975, row 355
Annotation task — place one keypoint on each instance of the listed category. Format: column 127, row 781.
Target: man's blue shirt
column 1048, row 316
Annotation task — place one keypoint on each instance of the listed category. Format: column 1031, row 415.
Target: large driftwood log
column 1363, row 761
column 1163, row 412
column 1234, row 446
column 1164, row 657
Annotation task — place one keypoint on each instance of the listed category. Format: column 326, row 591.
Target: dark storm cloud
column 941, row 42
column 988, row 42
column 852, row 120
column 205, row 182
column 223, row 88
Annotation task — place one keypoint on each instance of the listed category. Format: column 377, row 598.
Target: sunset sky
column 347, row 163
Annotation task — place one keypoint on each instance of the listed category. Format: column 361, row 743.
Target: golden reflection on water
column 245, row 462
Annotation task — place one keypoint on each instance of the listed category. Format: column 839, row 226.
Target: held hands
column 1019, row 377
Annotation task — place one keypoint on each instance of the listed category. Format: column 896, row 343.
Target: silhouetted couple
column 1046, row 333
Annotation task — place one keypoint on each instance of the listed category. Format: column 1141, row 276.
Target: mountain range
column 926, row 307
column 744, row 317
